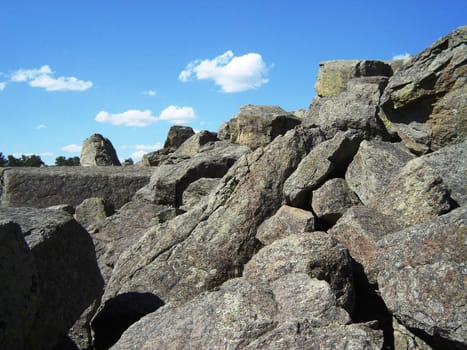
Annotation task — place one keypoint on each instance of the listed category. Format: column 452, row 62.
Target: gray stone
column 359, row 229
column 48, row 186
column 423, row 277
column 327, row 160
column 425, row 100
column 18, row 287
column 92, row 211
column 192, row 145
column 316, row 254
column 332, row 199
column 285, row 221
column 202, row 248
column 374, row 166
column 176, row 136
column 257, row 126
column 98, row 150
column 198, row 190
column 405, row 340
column 224, row 132
column 68, row 276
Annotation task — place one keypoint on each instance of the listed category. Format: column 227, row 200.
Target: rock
column 18, row 287
column 242, row 315
column 359, row 229
column 333, row 76
column 169, row 181
column 98, row 150
column 202, row 248
column 316, row 254
column 374, row 166
column 63, row 207
column 193, row 144
column 425, row 100
column 287, row 220
column 327, row 160
column 224, row 132
column 68, row 277
column 405, row 340
column 176, row 137
column 423, row 278
column 257, row 126
column 48, row 186
column 415, row 194
column 153, row 158
column 332, row 199
column 356, row 108
column 197, row 190
column 92, row 211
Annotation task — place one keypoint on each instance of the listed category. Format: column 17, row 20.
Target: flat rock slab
column 48, row 186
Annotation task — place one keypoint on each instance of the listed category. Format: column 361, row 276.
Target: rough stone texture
column 425, row 100
column 197, row 190
column 224, row 132
column 357, row 108
column 98, row 150
column 153, row 158
column 332, row 199
column 405, row 340
column 374, row 166
column 48, row 186
column 333, row 76
column 423, row 277
column 18, row 287
column 415, row 194
column 241, row 315
column 207, row 245
column 92, row 211
column 176, row 137
column 328, row 159
column 358, row 230
column 170, row 180
column 193, row 144
column 257, row 126
column 68, row 276
column 285, row 221
column 316, row 254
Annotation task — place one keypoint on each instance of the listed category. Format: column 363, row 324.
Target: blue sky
column 131, row 69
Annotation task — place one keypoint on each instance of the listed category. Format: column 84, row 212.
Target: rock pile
column 342, row 229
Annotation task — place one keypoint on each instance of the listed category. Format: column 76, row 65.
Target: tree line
column 34, row 161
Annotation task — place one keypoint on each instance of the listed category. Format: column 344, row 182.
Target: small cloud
column 41, row 126
column 231, row 73
column 131, row 117
column 404, row 56
column 150, row 148
column 178, row 115
column 42, row 78
column 2, row 86
column 141, row 150
column 136, row 156
column 73, row 148
column 151, row 93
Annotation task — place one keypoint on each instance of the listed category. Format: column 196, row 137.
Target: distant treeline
column 35, row 161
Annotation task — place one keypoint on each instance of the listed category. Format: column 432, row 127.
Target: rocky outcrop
column 92, row 211
column 193, row 144
column 176, row 137
column 68, row 279
column 197, row 190
column 423, row 278
column 98, row 150
column 424, row 101
column 257, row 126
column 44, row 187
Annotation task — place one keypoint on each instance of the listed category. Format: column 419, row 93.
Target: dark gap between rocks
column 119, row 313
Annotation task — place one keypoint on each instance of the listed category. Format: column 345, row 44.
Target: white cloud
column 232, row 74
column 178, row 115
column 41, row 126
column 46, row 154
column 2, row 86
column 137, row 155
column 131, row 117
column 42, row 78
column 151, row 93
column 404, row 56
column 73, row 148
column 141, row 150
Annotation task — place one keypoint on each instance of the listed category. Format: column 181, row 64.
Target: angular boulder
column 257, row 126
column 92, row 211
column 192, row 145
column 287, row 220
column 423, row 278
column 425, row 99
column 97, row 150
column 68, row 279
column 176, row 136
column 198, row 190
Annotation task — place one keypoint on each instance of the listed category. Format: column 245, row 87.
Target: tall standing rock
column 98, row 150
